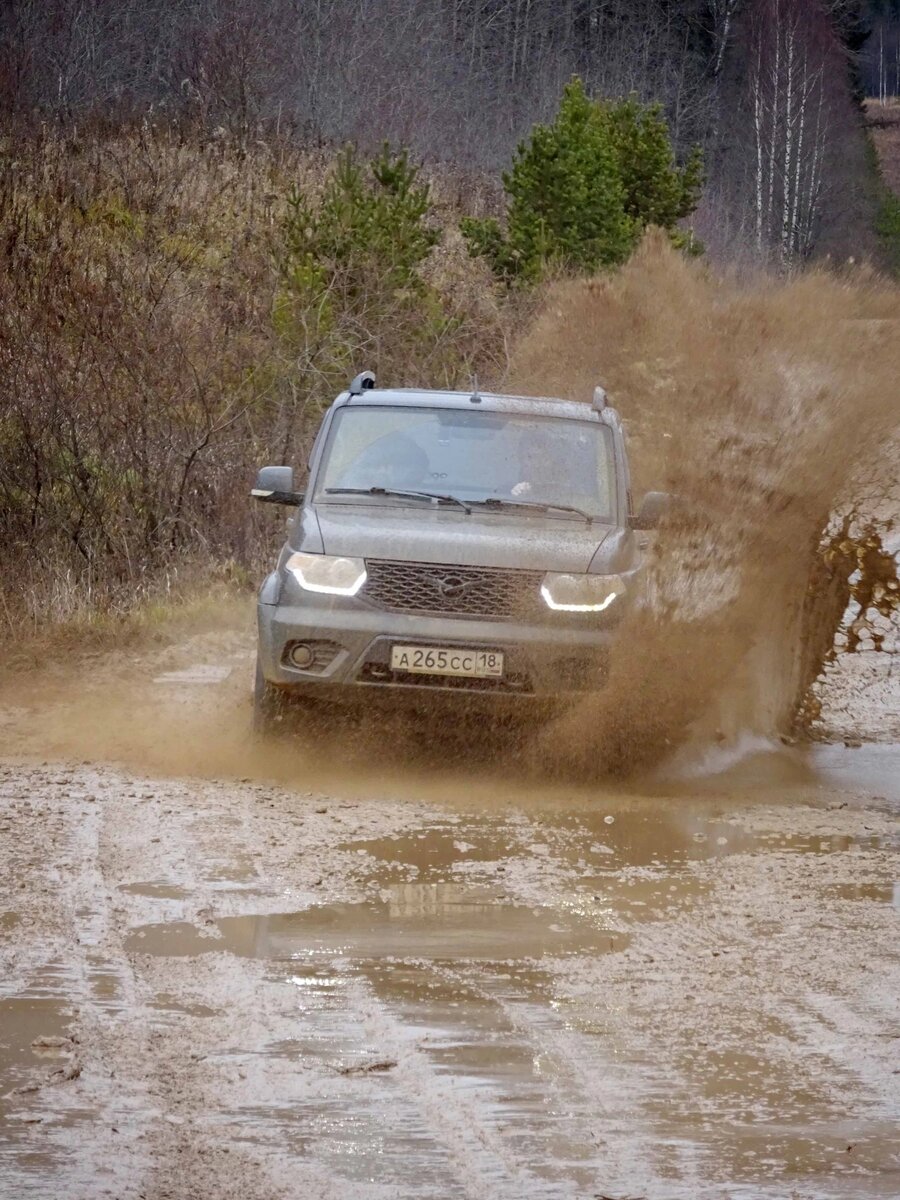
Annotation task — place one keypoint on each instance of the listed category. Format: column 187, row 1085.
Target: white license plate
column 431, row 660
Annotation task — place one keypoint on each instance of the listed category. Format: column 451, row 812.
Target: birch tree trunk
column 794, row 85
column 789, row 119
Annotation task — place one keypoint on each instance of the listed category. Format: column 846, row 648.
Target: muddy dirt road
column 434, row 983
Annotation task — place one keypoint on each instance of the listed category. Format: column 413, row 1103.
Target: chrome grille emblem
column 451, row 587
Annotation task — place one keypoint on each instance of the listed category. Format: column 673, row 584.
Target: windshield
column 472, row 456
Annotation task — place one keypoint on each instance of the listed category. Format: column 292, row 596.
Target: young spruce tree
column 657, row 190
column 350, row 284
column 582, row 190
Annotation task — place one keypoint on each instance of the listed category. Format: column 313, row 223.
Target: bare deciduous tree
column 798, row 94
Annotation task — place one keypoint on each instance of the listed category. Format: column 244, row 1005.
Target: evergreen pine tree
column 582, row 190
column 657, row 191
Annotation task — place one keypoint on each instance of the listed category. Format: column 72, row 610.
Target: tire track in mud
column 62, row 967
column 725, row 1046
column 820, row 1023
column 744, row 1038
column 456, row 1119
column 128, row 1123
column 601, row 1102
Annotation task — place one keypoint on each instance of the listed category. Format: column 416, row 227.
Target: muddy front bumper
column 351, row 647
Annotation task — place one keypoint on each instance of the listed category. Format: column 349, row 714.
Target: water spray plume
column 767, row 407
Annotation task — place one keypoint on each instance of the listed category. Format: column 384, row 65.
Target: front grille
column 451, row 590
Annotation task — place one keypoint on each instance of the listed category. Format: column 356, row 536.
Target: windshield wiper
column 540, row 505
column 442, row 498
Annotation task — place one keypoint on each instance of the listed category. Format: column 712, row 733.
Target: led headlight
column 324, row 573
column 581, row 593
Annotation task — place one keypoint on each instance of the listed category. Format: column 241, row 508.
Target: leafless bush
column 142, row 377
column 454, row 79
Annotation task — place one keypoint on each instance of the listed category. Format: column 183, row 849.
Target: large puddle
column 434, row 1005
column 414, row 920
column 430, row 1046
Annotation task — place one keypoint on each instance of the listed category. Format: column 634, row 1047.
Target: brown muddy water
column 768, row 408
column 430, row 981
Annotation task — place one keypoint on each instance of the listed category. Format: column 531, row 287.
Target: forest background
column 153, row 347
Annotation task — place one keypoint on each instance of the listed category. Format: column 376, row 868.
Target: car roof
column 545, row 406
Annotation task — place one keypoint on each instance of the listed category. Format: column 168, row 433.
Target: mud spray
column 770, row 409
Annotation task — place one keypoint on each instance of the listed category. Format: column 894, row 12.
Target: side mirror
column 275, row 485
column 654, row 507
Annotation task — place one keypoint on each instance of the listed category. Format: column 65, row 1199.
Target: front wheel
column 269, row 706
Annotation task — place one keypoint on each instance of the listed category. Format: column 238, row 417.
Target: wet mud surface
column 437, row 983
column 393, row 961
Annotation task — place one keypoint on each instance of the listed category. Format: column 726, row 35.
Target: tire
column 269, row 706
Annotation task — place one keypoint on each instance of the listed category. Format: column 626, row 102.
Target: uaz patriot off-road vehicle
column 450, row 544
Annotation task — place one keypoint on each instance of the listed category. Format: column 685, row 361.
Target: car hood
column 531, row 542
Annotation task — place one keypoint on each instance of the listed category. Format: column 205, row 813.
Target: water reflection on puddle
column 34, row 1045
column 418, row 920
column 872, row 769
column 618, row 867
column 155, row 890
column 883, row 893
column 659, row 838
column 29, row 1027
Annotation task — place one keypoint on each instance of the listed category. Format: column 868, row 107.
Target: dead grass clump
column 59, row 621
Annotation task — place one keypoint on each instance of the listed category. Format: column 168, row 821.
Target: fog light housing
column 302, row 656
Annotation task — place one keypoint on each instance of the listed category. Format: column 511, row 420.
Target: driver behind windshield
column 472, row 457
column 546, row 464
column 395, row 461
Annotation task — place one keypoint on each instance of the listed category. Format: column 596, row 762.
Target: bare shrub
column 142, row 378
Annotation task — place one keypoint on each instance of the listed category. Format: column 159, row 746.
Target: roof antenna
column 476, row 395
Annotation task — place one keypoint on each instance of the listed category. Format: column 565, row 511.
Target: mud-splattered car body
column 502, row 574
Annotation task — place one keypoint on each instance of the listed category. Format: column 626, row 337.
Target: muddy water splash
column 765, row 408
column 769, row 408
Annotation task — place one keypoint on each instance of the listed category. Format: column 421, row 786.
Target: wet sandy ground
column 435, row 982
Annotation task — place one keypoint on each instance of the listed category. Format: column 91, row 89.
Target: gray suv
column 454, row 544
